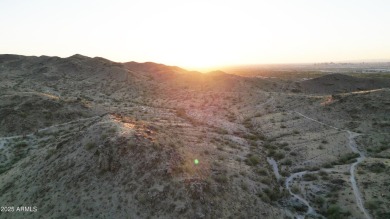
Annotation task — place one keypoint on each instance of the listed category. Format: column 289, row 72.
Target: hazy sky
column 199, row 33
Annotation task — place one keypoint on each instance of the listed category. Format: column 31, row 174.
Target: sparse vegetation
column 223, row 179
column 21, row 145
column 279, row 155
column 310, row 177
column 347, row 158
column 50, row 153
column 90, row 145
column 252, row 160
column 334, row 212
column 172, row 143
column 287, row 162
column 262, row 171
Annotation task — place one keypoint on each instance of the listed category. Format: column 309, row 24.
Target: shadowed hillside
column 339, row 83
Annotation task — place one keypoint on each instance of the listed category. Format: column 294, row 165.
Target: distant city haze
column 199, row 34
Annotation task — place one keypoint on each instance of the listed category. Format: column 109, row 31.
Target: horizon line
column 358, row 61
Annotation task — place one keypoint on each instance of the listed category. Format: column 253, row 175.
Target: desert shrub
column 253, row 160
column 360, row 172
column 279, row 155
column 258, row 115
column 21, row 144
column 104, row 136
column 348, row 158
column 372, row 205
column 293, row 153
column 383, row 148
column 310, row 177
column 287, row 162
column 266, row 181
column 251, row 137
column 142, row 198
column 262, row 171
column 384, row 124
column 244, row 186
column 268, row 145
column 315, row 168
column 49, row 153
column 296, row 90
column 248, row 125
column 327, row 165
column 319, row 200
column 90, row 145
column 271, row 153
column 334, row 212
column 221, row 178
column 4, row 168
column 295, row 189
column 221, row 131
column 264, row 197
column 220, row 147
column 383, row 215
column 284, row 144
column 247, row 120
column 284, row 173
column 323, row 173
column 261, row 137
column 377, row 167
column 112, row 130
column 274, row 195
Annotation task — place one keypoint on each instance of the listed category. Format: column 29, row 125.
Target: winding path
column 353, row 146
column 275, row 168
column 310, row 209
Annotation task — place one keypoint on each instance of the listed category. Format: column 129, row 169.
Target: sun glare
column 200, row 34
column 205, row 34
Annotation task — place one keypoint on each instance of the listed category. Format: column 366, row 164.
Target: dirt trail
column 353, row 146
column 314, row 120
column 275, row 168
column 310, row 209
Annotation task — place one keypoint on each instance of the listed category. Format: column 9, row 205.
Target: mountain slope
column 121, row 140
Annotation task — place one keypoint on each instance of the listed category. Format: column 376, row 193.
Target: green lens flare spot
column 196, row 161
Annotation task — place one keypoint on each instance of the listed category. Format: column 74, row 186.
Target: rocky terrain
column 85, row 137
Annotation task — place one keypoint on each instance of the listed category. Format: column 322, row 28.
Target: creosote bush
column 221, row 178
column 90, row 145
column 21, row 145
column 253, row 160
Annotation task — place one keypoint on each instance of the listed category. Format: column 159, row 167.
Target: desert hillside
column 85, row 137
column 339, row 83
